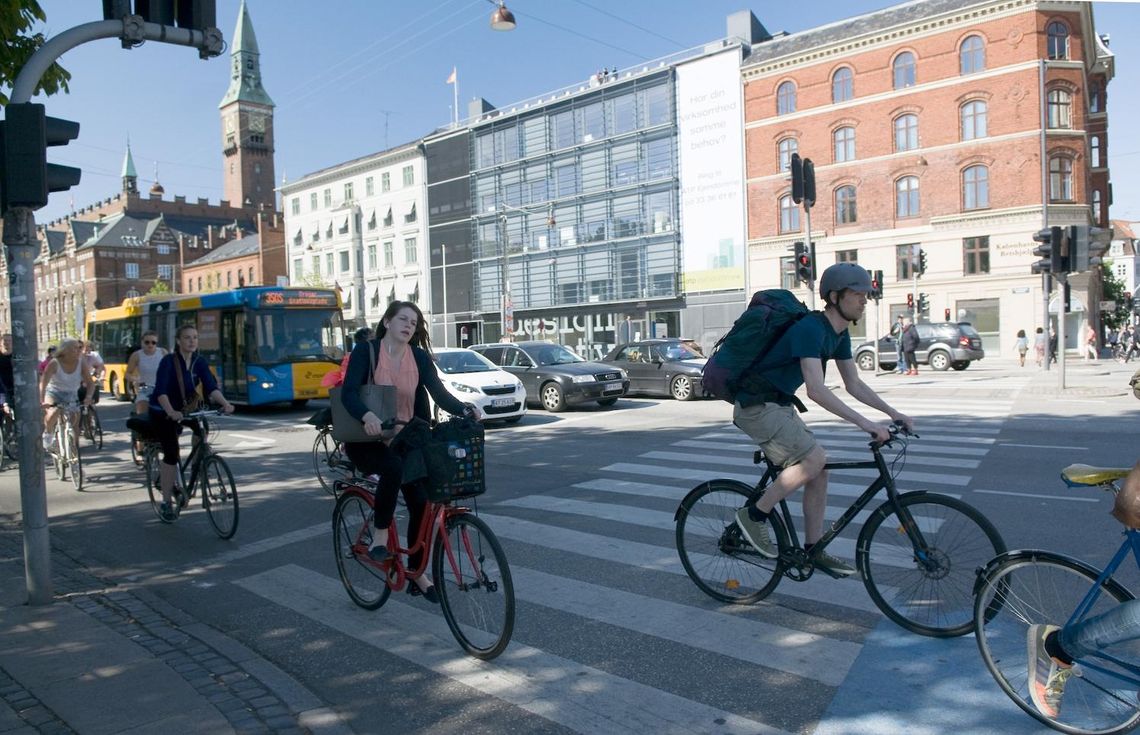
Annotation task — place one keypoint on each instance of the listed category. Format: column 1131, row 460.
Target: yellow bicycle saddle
column 1083, row 475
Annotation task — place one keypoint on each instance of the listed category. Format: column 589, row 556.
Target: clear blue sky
column 351, row 77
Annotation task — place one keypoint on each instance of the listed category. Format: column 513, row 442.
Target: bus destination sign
column 299, row 298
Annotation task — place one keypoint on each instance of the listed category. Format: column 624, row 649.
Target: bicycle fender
column 1032, row 554
column 732, row 484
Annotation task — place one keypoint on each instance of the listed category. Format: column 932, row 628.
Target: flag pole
column 455, row 93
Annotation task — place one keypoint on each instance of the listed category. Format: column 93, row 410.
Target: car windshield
column 687, row 350
column 463, row 362
column 552, row 355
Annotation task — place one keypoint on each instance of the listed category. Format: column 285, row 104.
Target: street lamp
column 507, row 311
column 502, row 19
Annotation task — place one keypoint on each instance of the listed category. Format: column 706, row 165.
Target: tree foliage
column 160, row 287
column 17, row 44
column 1114, row 290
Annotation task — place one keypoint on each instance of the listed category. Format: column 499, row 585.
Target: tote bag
column 380, row 400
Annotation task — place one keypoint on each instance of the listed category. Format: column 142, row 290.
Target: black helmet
column 362, row 335
column 844, row 275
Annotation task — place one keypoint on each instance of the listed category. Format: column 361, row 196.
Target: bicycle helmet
column 844, row 275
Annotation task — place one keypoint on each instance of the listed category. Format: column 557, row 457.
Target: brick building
column 253, row 259
column 960, row 127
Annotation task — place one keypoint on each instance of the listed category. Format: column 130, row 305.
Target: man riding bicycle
column 770, row 417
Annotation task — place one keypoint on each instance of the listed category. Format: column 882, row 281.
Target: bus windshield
column 295, row 335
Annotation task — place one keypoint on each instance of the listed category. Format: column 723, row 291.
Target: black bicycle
column 918, row 552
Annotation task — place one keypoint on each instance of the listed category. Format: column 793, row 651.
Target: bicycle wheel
column 57, row 458
column 934, row 598
column 151, row 462
column 1034, row 587
column 219, row 496
column 718, row 559
column 94, row 428
column 475, row 587
column 136, row 455
column 74, row 461
column 365, row 583
column 330, row 461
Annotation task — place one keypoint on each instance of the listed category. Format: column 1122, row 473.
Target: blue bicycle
column 1019, row 589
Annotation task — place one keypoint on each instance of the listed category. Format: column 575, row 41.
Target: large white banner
column 710, row 132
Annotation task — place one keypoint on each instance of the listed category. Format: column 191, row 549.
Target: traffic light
column 923, row 303
column 809, row 183
column 1052, row 250
column 946, row 316
column 28, row 177
column 1136, row 304
column 198, row 15
column 921, row 262
column 1086, row 246
column 876, row 286
column 910, row 302
column 803, row 180
column 804, row 270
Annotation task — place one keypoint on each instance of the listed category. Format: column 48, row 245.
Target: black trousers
column 377, row 458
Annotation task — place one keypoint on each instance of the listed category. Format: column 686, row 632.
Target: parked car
column 941, row 345
column 554, row 376
column 474, row 379
column 661, row 367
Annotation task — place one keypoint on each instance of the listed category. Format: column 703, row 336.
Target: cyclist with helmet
column 798, row 358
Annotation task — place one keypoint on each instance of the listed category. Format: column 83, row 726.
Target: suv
column 941, row 345
column 555, row 376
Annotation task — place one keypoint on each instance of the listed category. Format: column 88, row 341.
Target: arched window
column 1058, row 34
column 844, row 139
column 1097, row 218
column 1060, row 109
column 845, row 210
column 906, row 197
column 972, row 55
column 786, row 98
column 903, row 67
column 787, row 147
column 789, row 215
column 906, row 132
column 842, row 85
column 1060, row 179
column 973, row 115
column 976, row 187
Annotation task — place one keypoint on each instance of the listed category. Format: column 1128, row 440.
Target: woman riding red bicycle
column 400, row 356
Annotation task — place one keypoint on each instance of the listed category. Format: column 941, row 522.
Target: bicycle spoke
column 219, row 495
column 365, row 583
column 475, row 586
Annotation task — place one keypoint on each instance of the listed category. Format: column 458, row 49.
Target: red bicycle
column 469, row 568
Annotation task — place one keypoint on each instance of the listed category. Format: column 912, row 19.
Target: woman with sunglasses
column 142, row 370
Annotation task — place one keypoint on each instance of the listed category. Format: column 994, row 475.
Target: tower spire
column 245, row 65
column 130, row 176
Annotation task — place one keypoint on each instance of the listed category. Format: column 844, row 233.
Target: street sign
column 1108, row 306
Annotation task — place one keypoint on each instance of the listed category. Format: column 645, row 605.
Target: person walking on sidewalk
column 909, row 345
column 1022, row 346
column 770, row 417
column 896, row 332
column 1090, row 343
column 1039, row 346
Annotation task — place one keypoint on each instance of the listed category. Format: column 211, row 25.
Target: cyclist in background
column 142, row 370
column 60, row 384
column 7, row 379
column 92, row 365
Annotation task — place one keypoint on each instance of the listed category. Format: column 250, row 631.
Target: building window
column 1060, row 109
column 316, row 265
column 787, row 147
column 845, row 211
column 1096, row 90
column 844, row 139
column 199, row 283
column 904, row 261
column 409, row 177
column 131, row 270
column 229, row 279
column 789, row 215
column 329, row 263
column 328, row 197
column 389, row 256
column 1097, row 218
column 906, row 133
column 1060, row 179
column 162, row 248
column 786, row 98
column 1094, row 151
column 976, row 187
column 410, row 256
column 846, row 256
column 295, row 205
column 410, row 217
column 388, row 218
column 372, row 258
column 975, row 255
column 344, row 261
column 906, row 197
column 348, row 191
column 1058, row 34
column 313, row 202
column 973, row 115
column 385, row 181
column 298, row 268
column 842, row 85
column 788, row 273
column 166, row 272
column 369, row 186
column 972, row 55
column 903, row 67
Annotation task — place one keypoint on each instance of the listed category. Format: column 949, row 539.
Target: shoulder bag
column 379, row 399
column 190, row 403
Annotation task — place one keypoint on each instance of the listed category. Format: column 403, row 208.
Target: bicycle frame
column 199, row 450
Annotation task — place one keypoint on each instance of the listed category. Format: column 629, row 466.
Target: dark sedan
column 554, row 376
column 661, row 367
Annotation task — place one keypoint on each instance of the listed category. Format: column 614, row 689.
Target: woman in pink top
column 402, row 353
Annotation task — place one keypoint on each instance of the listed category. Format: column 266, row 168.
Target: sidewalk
column 106, row 659
column 1103, row 378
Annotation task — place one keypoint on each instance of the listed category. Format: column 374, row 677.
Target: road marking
column 1037, row 495
column 912, row 450
column 905, row 476
column 206, row 566
column 250, row 442
column 824, row 434
column 580, row 698
column 676, row 493
column 1038, row 446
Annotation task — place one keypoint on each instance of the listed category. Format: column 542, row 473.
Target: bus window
column 294, row 335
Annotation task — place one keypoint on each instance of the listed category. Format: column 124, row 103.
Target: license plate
column 307, row 393
column 613, row 386
column 502, row 402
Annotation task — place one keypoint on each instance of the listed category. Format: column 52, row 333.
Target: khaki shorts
column 779, row 431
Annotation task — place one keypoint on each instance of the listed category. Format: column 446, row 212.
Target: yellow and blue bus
column 265, row 344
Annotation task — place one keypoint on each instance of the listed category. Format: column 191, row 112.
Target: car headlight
column 622, row 374
column 582, row 378
column 463, row 388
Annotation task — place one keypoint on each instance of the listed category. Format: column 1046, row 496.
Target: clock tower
column 247, row 124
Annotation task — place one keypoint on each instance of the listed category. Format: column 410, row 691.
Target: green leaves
column 17, row 19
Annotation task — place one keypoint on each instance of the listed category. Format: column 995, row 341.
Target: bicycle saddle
column 1083, row 475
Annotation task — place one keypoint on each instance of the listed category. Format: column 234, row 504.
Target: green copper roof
column 245, row 65
column 129, row 165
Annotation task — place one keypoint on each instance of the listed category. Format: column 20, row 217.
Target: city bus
column 264, row 344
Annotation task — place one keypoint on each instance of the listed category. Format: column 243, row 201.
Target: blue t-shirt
column 811, row 336
column 166, row 380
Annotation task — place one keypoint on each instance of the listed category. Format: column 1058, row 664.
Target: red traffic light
column 910, row 301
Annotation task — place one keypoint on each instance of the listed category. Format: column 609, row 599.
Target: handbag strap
column 369, row 379
column 178, row 375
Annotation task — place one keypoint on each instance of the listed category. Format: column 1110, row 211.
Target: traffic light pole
column 811, row 254
column 1047, row 290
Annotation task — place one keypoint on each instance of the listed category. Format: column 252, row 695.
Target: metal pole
column 1061, row 281
column 811, row 254
column 506, row 279
column 1046, row 289
column 443, row 255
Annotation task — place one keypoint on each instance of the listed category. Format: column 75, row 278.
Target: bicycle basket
column 454, row 459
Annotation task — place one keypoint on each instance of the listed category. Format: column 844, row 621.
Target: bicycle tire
column 327, row 454
column 136, row 455
column 476, row 592
column 365, row 583
column 74, row 459
column 95, row 427
column 151, row 462
column 714, row 553
column 57, row 453
column 1039, row 587
column 219, row 496
column 934, row 601
column 5, row 457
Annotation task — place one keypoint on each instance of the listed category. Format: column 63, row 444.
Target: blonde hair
column 68, row 343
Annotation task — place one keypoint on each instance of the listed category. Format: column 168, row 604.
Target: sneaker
column 181, row 498
column 756, row 533
column 378, row 553
column 828, row 563
column 166, row 513
column 1047, row 675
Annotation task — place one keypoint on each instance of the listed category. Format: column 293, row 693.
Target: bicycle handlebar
column 897, row 429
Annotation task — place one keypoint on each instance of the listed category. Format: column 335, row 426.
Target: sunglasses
column 149, row 342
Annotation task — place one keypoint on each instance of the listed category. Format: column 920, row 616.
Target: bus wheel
column 300, row 402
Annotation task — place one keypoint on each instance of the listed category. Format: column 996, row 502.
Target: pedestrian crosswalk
column 597, row 561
